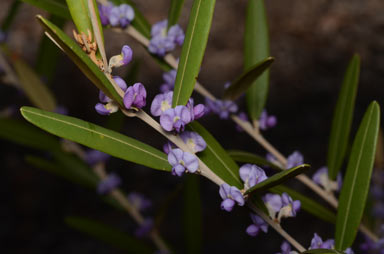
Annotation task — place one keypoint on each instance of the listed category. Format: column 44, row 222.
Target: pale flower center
column 165, row 105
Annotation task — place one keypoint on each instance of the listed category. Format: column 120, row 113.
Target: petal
column 166, row 120
column 191, row 162
column 128, row 97
column 224, row 190
column 127, row 53
column 237, row 196
column 178, row 170
column 100, row 108
column 156, row 105
column 198, row 111
column 103, row 98
column 174, row 156
column 244, row 171
column 120, row 82
column 252, row 230
column 227, row 204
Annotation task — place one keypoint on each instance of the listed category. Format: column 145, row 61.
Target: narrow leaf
column 36, row 91
column 307, row 204
column 81, row 59
column 25, row 134
column 53, row 7
column 98, row 138
column 342, row 118
column 246, row 157
column 216, row 158
column 10, row 16
column 193, row 50
column 48, row 56
column 108, row 234
column 192, row 215
column 241, row 84
column 80, row 16
column 174, row 12
column 322, row 251
column 357, row 179
column 256, row 48
column 278, row 178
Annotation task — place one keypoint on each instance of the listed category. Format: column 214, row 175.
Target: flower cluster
column 267, row 121
column 281, row 206
column 121, row 15
column 108, row 184
column 322, row 179
column 164, row 40
column 223, row 108
column 257, row 224
column 169, row 81
column 318, row 243
column 175, row 119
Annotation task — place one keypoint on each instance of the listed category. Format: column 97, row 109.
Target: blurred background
column 312, row 42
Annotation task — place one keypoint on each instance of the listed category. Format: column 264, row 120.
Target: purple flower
column 93, row 157
column 161, row 103
column 109, row 108
column 321, row 178
column 167, row 147
column 135, row 96
column 286, row 249
column 182, row 161
column 266, row 122
column 372, row 247
column 145, row 228
column 273, row 202
column 258, row 223
column 122, row 59
column 289, row 208
column 121, row 15
column 196, row 111
column 176, row 34
column 175, row 118
column 169, row 81
column 251, row 175
column 230, row 195
column 294, row 160
column 120, row 82
column 162, row 41
column 243, row 116
column 317, row 243
column 194, row 141
column 108, row 184
column 138, row 200
column 104, row 11
column 221, row 108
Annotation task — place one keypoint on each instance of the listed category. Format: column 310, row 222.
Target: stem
column 276, row 226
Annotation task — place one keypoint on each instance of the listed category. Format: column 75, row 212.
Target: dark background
column 312, row 42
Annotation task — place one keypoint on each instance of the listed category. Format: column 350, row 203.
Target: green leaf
column 216, row 158
column 97, row 137
column 67, row 167
column 80, row 15
column 357, row 179
column 35, row 90
column 193, row 50
column 108, row 234
column 174, row 12
column 10, row 16
column 278, row 178
column 53, row 7
column 246, row 157
column 342, row 118
column 81, row 59
column 25, row 134
column 322, row 251
column 192, row 215
column 307, row 204
column 256, row 48
column 48, row 56
column 241, row 84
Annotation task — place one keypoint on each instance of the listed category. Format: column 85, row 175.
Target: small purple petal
column 93, row 157
column 139, row 201
column 144, row 228
column 194, row 141
column 191, row 162
column 252, row 230
column 120, row 82
column 108, row 184
column 295, row 159
column 102, row 110
column 127, row 52
column 227, row 204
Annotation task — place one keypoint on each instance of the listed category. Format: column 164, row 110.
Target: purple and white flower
column 161, row 103
column 182, row 161
column 163, row 41
column 135, row 96
column 289, row 208
column 121, row 15
column 294, row 160
column 251, row 175
column 322, row 179
column 257, row 224
column 169, row 81
column 286, row 249
column 267, row 121
column 194, row 141
column 122, row 59
column 223, row 108
column 175, row 118
column 230, row 195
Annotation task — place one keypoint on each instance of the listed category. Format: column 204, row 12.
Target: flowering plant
column 258, row 184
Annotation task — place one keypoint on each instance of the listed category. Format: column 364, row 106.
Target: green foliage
column 108, row 234
column 10, row 16
column 174, row 12
column 97, row 137
column 80, row 15
column 246, row 157
column 53, row 7
column 278, row 178
column 342, row 119
column 357, row 179
column 242, row 83
column 192, row 53
column 256, row 48
column 192, row 215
